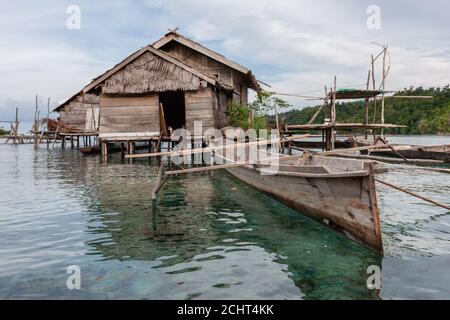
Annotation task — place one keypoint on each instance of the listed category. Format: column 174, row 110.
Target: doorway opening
column 174, row 108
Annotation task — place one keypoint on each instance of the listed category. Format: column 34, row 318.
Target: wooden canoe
column 413, row 152
column 339, row 193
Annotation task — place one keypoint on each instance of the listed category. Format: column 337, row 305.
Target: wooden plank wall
column 222, row 101
column 199, row 107
column 129, row 115
column 74, row 114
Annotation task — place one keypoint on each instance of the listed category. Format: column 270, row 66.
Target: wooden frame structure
column 130, row 101
column 368, row 94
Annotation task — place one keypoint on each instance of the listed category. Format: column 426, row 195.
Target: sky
column 295, row 46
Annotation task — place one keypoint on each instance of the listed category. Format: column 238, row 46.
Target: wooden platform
column 342, row 126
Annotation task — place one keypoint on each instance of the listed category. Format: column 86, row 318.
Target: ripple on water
column 59, row 208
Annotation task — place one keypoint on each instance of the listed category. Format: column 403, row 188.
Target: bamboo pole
column 389, row 160
column 382, row 88
column 414, row 194
column 349, row 150
column 208, row 149
column 411, row 97
column 366, row 106
column 394, row 150
column 319, row 109
column 333, row 114
column 36, row 112
column 373, row 87
column 295, row 95
column 158, row 183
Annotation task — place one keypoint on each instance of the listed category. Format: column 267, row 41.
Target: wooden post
column 366, row 106
column 373, row 87
column 323, row 140
column 35, row 120
column 46, row 126
column 333, row 117
column 382, row 88
column 55, row 136
column 104, row 150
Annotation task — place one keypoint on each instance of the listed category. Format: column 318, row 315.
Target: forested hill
column 421, row 116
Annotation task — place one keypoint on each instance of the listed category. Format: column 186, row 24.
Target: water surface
column 209, row 236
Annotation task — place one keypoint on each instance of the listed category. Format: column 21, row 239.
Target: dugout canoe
column 415, row 152
column 339, row 193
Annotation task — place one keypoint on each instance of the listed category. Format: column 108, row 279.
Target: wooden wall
column 210, row 67
column 124, row 116
column 199, row 107
column 74, row 113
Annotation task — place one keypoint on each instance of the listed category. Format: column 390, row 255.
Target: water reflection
column 211, row 236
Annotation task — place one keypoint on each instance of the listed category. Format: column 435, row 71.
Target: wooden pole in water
column 333, row 114
column 373, row 87
column 35, row 121
column 159, row 182
column 413, row 194
column 382, row 88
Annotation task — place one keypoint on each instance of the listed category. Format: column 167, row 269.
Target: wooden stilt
column 104, row 150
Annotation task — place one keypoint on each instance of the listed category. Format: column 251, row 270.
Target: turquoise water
column 209, row 236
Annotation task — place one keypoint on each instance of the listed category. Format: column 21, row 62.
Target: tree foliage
column 241, row 115
column 421, row 116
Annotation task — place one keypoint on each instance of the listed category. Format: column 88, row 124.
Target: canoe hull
column 348, row 205
column 416, row 154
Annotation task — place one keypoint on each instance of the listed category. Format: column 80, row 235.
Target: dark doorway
column 174, row 108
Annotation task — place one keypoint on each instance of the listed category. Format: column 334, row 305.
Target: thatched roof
column 163, row 56
column 195, row 75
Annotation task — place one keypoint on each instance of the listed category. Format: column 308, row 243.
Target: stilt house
column 171, row 83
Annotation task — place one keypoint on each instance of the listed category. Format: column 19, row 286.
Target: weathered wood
column 343, row 126
column 347, row 204
column 392, row 148
column 129, row 110
column 107, row 100
column 388, row 160
column 162, row 122
column 350, row 150
column 437, row 153
column 199, row 107
column 158, row 182
column 129, row 128
column 132, row 119
column 129, row 114
column 227, row 165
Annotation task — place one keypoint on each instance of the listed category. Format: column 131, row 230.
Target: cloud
column 296, row 46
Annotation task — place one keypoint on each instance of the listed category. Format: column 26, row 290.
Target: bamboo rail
column 208, row 149
column 413, row 194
